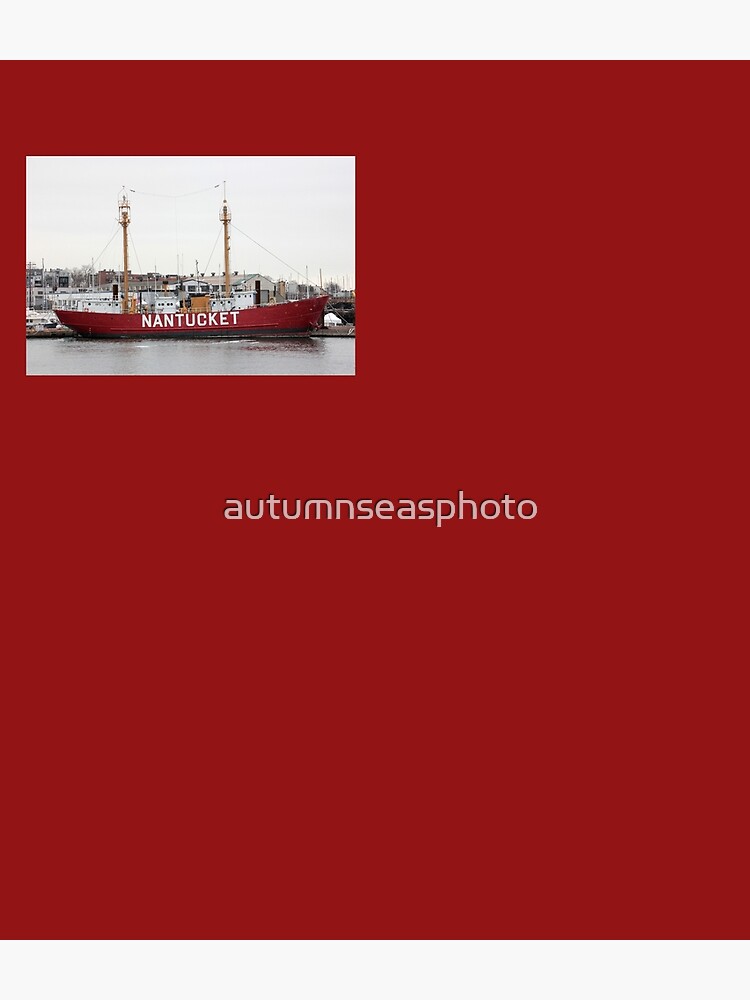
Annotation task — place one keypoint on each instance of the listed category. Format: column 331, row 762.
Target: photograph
column 190, row 265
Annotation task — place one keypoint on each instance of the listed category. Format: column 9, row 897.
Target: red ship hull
column 284, row 319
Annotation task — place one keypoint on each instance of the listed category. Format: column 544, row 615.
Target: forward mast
column 124, row 206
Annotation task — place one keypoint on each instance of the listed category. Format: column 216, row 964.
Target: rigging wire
column 188, row 194
column 130, row 240
column 208, row 262
column 96, row 259
column 285, row 263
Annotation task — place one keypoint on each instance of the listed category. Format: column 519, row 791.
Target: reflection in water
column 300, row 344
column 295, row 356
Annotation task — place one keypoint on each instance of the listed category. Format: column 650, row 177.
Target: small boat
column 166, row 315
column 43, row 324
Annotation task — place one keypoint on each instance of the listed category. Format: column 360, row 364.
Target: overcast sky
column 289, row 213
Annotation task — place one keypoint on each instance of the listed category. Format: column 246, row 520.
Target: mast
column 124, row 222
column 225, row 217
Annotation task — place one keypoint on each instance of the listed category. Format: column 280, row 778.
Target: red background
column 217, row 729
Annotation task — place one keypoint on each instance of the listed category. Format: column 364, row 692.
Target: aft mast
column 225, row 217
column 124, row 206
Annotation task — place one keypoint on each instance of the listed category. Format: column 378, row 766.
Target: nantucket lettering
column 172, row 320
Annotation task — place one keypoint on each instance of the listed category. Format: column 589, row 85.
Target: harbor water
column 304, row 356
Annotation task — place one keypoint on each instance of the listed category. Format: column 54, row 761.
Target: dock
column 341, row 330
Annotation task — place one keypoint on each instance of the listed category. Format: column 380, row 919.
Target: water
column 306, row 356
